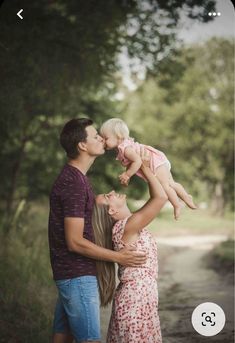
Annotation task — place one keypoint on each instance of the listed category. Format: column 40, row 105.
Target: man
column 72, row 250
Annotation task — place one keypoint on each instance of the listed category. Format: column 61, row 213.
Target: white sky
column 191, row 31
column 223, row 25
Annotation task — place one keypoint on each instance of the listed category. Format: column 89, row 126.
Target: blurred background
column 166, row 68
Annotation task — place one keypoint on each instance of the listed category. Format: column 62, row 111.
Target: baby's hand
column 124, row 179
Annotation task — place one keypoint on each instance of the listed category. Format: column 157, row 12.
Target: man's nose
column 101, row 139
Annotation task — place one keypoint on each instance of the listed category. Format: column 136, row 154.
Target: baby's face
column 111, row 141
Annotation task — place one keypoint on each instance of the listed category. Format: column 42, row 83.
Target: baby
column 116, row 135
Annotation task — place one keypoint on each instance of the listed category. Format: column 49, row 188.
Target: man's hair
column 73, row 133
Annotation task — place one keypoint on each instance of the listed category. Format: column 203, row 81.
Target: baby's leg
column 181, row 192
column 163, row 175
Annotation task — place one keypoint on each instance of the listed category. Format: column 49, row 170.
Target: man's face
column 94, row 142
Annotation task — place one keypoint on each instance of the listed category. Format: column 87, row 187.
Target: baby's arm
column 135, row 164
column 135, row 161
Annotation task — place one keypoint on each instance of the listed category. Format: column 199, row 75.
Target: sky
column 223, row 25
column 191, row 31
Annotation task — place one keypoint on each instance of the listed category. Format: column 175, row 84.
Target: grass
column 26, row 300
column 221, row 258
column 199, row 222
column 27, row 291
column 225, row 252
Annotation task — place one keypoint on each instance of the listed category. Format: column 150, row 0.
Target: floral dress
column 134, row 317
column 157, row 157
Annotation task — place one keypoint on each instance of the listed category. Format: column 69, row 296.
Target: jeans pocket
column 64, row 288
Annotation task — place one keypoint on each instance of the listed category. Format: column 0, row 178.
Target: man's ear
column 82, row 146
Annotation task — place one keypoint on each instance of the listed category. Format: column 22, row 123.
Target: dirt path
column 185, row 282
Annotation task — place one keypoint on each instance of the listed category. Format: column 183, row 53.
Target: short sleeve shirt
column 71, row 196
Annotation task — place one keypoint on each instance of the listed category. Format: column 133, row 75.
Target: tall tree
column 191, row 118
column 60, row 61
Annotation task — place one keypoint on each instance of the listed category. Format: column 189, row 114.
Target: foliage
column 27, row 292
column 225, row 252
column 191, row 118
column 221, row 258
column 60, row 62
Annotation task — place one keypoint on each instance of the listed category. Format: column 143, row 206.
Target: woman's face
column 112, row 200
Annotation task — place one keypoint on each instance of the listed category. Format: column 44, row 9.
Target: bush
column 27, row 291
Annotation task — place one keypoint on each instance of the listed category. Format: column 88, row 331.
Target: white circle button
column 208, row 319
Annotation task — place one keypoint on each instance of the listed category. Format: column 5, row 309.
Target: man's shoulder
column 71, row 175
column 69, row 178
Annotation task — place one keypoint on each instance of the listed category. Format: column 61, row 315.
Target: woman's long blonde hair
column 102, row 224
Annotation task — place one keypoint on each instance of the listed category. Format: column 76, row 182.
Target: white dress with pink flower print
column 134, row 317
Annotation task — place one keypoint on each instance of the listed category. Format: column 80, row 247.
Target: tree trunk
column 218, row 200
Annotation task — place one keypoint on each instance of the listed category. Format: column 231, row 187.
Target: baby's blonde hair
column 116, row 126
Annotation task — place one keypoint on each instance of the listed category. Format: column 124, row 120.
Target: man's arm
column 77, row 243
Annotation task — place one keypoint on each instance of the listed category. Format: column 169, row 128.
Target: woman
column 134, row 317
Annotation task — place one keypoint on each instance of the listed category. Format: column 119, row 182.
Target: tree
column 191, row 119
column 60, row 62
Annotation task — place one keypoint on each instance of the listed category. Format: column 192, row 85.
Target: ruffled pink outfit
column 134, row 317
column 157, row 158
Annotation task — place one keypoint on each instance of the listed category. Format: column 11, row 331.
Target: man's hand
column 129, row 257
column 124, row 179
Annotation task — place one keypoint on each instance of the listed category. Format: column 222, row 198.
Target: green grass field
column 191, row 222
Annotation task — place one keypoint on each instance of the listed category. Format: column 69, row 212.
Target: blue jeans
column 77, row 310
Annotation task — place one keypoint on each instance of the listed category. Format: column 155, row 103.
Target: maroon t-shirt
column 71, row 196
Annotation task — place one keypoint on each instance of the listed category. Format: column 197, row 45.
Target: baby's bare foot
column 177, row 212
column 190, row 203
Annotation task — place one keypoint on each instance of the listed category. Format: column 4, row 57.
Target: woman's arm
column 149, row 211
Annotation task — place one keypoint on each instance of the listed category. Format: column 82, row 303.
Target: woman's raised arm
column 149, row 211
